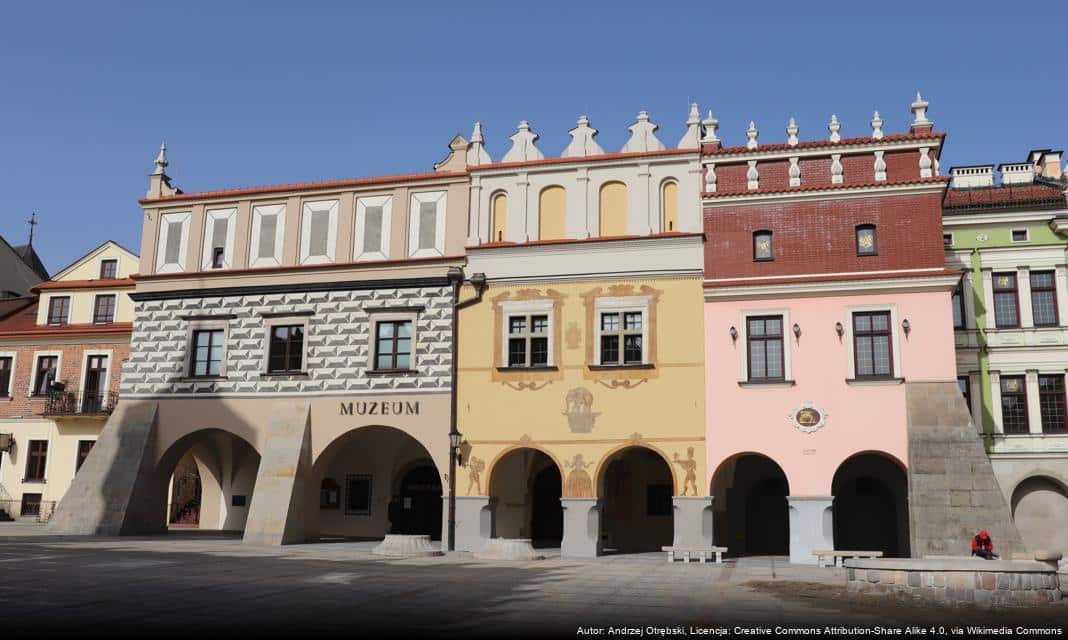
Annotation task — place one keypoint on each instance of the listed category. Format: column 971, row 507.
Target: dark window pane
column 1051, row 399
column 517, row 352
column 109, row 269
column 609, row 349
column 1014, row 404
column 632, row 349
column 539, row 352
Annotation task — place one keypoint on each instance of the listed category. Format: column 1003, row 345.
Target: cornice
column 836, row 192
column 821, row 148
column 914, row 284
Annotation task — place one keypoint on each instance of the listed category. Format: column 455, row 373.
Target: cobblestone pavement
column 190, row 583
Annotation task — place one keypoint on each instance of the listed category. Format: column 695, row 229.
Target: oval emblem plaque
column 808, row 418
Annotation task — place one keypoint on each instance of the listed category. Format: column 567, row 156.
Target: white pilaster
column 475, row 220
column 1023, row 289
column 528, row 219
column 641, row 220
column 968, row 291
column 1034, row 407
column 995, row 400
column 976, row 390
column 582, row 177
column 988, row 297
column 1062, row 295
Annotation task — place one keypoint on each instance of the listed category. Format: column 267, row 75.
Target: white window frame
column 621, row 305
column 284, row 321
column 896, row 332
column 258, row 212
column 440, row 199
column 743, row 340
column 205, row 325
column 525, row 308
column 9, row 392
column 85, row 369
column 165, row 221
column 230, row 215
column 359, row 253
column 385, row 315
column 329, row 207
column 33, row 369
column 1027, row 235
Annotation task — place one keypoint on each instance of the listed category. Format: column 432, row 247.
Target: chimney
column 1049, row 165
column 1017, row 173
column 971, row 177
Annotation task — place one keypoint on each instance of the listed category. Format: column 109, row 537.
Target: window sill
column 545, row 368
column 766, row 383
column 284, row 374
column 618, row 367
column 28, row 481
column 392, row 372
column 874, row 381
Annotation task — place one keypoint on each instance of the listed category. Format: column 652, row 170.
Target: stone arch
column 552, row 213
column 602, row 463
column 526, row 486
column 1040, row 511
column 669, row 205
column 870, row 504
column 491, row 467
column 498, row 216
column 751, row 515
column 636, row 483
column 612, row 209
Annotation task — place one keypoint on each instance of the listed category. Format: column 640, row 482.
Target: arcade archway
column 1040, row 511
column 526, row 485
column 637, row 487
column 871, row 505
column 205, row 480
column 751, row 512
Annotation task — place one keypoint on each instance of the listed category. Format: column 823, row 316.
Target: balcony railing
column 80, row 403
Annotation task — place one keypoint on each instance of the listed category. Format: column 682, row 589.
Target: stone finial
column 876, row 127
column 582, row 141
column 523, row 148
column 834, row 126
column 919, row 111
column 161, row 161
column 692, row 138
column 791, row 133
column 710, row 125
column 751, row 133
column 643, row 135
column 476, row 150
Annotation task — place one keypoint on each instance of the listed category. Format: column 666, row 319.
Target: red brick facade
column 72, row 362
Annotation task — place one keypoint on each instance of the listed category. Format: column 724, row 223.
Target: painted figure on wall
column 475, row 467
column 689, row 465
column 579, row 484
column 579, row 405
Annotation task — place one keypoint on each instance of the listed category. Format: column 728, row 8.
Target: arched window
column 499, row 223
column 762, row 247
column 867, row 244
column 613, row 209
column 552, row 213
column 669, row 206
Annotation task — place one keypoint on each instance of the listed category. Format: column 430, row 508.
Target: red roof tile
column 1006, row 197
column 23, row 324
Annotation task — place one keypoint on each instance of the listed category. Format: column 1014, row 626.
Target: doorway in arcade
column 372, row 481
column 526, row 486
column 637, row 516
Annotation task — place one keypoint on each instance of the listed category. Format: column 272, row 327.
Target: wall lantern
column 734, row 334
column 907, row 326
column 839, row 329
column 456, row 442
column 797, row 331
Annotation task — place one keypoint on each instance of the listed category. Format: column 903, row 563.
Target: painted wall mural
column 578, row 484
column 578, row 407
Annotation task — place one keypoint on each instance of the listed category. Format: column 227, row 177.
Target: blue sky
column 263, row 93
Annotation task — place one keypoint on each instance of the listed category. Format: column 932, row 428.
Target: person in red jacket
column 983, row 546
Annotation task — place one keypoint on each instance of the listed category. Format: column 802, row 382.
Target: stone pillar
column 582, row 528
column 475, row 522
column 113, row 492
column 279, row 500
column 1034, row 403
column 811, row 527
column 693, row 522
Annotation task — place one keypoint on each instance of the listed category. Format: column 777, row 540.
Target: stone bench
column 835, row 556
column 701, row 553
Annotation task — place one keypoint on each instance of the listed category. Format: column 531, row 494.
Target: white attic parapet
column 582, row 141
column 523, row 149
column 643, row 135
column 971, row 177
column 692, row 138
column 1017, row 173
column 476, row 151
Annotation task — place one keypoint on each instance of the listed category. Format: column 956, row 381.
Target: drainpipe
column 456, row 279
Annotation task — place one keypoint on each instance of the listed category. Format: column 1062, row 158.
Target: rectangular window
column 621, row 338
column 762, row 249
column 219, row 232
column 393, row 345
column 871, row 344
column 947, row 239
column 31, row 504
column 6, row 363
column 958, row 309
column 1006, row 302
column 84, row 447
column 765, row 348
column 866, row 241
column 528, row 341
column 358, row 495
column 1019, row 235
column 58, row 309
column 1014, row 404
column 104, row 309
column 428, row 221
column 109, row 269
column 965, row 385
column 1044, row 298
column 46, row 374
column 1051, row 399
column 207, row 353
column 36, row 459
column 286, row 354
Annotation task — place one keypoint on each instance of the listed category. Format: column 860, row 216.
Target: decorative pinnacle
column 876, row 127
column 834, row 127
column 791, row 132
column 919, row 110
column 161, row 161
column 752, row 134
column 695, row 115
column 476, row 133
column 710, row 124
